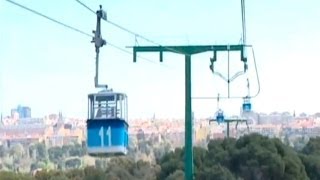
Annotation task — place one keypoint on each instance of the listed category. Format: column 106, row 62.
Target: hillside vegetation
column 251, row 157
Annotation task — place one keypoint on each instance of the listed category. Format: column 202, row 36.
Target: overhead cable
column 131, row 32
column 74, row 29
column 51, row 19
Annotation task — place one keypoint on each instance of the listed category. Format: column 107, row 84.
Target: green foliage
column 59, row 177
column 3, row 151
column 50, row 175
column 310, row 157
column 91, row 173
column 16, row 151
column 300, row 142
column 312, row 166
column 177, row 175
column 171, row 162
column 250, row 157
column 41, row 152
column 145, row 170
column 37, row 165
column 77, row 150
column 216, row 172
column 4, row 175
column 312, row 147
column 100, row 163
column 73, row 163
column 256, row 156
column 55, row 154
column 75, row 174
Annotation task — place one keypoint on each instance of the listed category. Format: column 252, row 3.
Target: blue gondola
column 246, row 106
column 220, row 116
column 107, row 126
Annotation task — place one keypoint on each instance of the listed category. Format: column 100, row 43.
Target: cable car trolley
column 107, row 126
column 219, row 116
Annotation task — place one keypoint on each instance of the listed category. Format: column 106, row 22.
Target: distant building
column 23, row 111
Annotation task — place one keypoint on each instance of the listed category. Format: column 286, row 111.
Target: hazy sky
column 50, row 68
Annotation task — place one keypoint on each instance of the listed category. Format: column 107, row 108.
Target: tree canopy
column 251, row 157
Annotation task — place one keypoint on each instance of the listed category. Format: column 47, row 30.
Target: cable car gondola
column 220, row 116
column 107, row 125
column 246, row 106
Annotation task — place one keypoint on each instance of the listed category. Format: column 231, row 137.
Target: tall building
column 23, row 111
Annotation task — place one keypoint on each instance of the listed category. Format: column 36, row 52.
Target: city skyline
column 51, row 68
column 153, row 117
